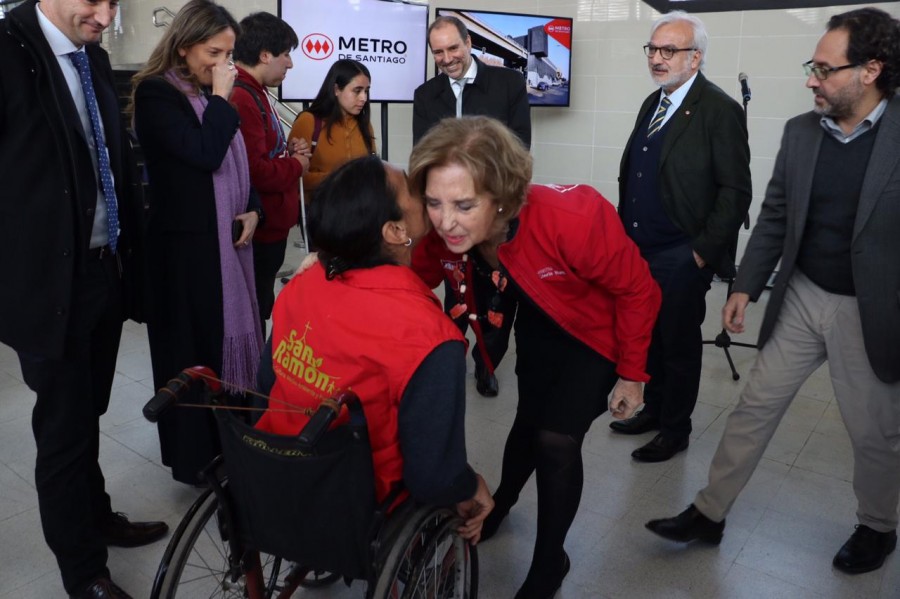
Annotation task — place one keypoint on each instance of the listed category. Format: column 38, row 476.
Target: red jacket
column 367, row 330
column 570, row 256
column 276, row 179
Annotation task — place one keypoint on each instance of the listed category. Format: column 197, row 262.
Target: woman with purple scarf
column 202, row 216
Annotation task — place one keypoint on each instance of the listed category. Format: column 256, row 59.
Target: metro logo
column 317, row 46
column 561, row 31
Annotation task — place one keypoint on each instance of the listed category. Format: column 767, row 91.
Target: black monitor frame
column 665, row 6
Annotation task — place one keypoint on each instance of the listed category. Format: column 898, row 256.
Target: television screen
column 388, row 37
column 540, row 47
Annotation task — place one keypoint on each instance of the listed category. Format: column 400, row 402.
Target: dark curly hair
column 873, row 35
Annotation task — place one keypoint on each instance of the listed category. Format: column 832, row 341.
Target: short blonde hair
column 496, row 159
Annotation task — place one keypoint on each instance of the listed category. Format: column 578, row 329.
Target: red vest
column 368, row 331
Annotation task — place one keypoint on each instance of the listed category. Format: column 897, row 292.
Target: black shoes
column 689, row 525
column 486, row 383
column 865, row 550
column 118, row 531
column 102, row 588
column 538, row 586
column 640, row 423
column 660, row 449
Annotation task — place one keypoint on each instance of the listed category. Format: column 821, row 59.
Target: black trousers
column 676, row 349
column 72, row 393
column 496, row 340
column 267, row 259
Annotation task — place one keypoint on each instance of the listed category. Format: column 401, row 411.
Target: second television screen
column 540, row 47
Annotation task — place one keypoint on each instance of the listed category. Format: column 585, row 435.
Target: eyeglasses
column 822, row 73
column 667, row 52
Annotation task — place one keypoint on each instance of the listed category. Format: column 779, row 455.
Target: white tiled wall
column 583, row 143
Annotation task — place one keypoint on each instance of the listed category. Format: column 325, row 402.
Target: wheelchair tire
column 196, row 561
column 425, row 558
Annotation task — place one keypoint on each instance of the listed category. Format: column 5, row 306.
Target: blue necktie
column 80, row 60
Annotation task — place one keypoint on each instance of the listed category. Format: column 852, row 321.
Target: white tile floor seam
column 781, row 535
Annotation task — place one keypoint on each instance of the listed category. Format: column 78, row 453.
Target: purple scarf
column 242, row 340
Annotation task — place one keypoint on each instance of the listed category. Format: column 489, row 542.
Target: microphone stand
column 723, row 339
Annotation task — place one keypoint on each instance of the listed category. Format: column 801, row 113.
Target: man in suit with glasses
column 684, row 189
column 831, row 216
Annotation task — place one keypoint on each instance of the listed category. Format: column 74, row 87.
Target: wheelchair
column 282, row 513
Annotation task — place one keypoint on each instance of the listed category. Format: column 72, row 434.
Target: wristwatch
column 262, row 216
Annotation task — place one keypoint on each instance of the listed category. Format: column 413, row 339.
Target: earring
column 500, row 210
column 408, row 242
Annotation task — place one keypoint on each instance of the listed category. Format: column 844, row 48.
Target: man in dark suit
column 684, row 189
column 68, row 212
column 487, row 90
column 831, row 216
column 467, row 86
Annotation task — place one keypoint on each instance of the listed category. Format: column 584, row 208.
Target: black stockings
column 556, row 458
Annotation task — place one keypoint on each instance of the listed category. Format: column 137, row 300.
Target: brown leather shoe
column 102, row 588
column 118, row 531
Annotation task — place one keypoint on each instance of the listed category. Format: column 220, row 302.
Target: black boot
column 543, row 582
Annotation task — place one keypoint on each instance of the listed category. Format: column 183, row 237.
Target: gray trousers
column 814, row 326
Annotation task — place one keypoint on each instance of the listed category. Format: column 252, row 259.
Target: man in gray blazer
column 832, row 216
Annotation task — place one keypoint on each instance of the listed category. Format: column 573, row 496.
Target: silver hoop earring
column 408, row 242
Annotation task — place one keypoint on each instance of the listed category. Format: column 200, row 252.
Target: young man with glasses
column 831, row 216
column 684, row 188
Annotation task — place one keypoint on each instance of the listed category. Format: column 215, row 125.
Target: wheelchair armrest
column 176, row 388
column 326, row 413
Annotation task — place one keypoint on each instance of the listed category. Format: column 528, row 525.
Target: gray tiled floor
column 782, row 533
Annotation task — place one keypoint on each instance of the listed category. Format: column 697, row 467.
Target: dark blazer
column 181, row 154
column 875, row 249
column 49, row 188
column 497, row 92
column 704, row 170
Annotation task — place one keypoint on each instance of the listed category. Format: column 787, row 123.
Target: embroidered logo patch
column 295, row 360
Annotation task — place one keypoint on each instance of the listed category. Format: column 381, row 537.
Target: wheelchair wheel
column 426, row 559
column 197, row 561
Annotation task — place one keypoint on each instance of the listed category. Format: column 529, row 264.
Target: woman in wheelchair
column 361, row 320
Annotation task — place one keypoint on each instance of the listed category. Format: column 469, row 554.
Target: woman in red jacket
column 587, row 305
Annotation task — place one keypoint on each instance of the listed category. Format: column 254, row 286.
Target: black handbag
column 307, row 500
